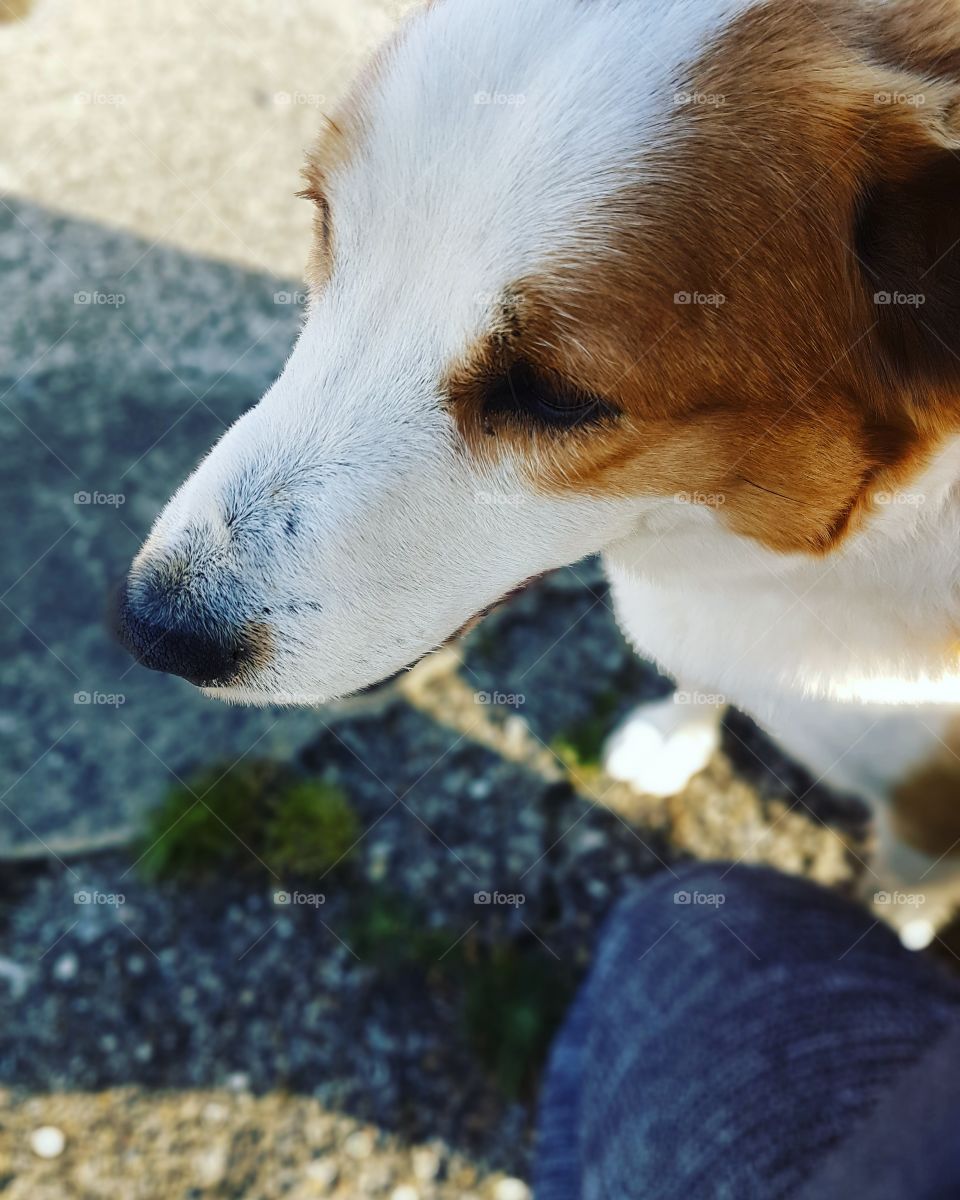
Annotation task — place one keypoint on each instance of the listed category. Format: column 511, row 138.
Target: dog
column 674, row 283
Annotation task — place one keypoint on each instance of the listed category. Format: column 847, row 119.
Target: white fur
column 447, row 202
column 875, row 621
column 660, row 747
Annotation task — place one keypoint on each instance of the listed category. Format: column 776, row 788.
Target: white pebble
column 405, row 1193
column 17, row 976
column 47, row 1142
column 511, row 1189
column 917, row 934
column 323, row 1171
column 359, row 1144
column 426, row 1163
column 66, row 967
column 211, row 1167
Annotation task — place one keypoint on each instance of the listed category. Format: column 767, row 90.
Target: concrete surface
column 183, row 121
column 141, row 143
column 104, row 407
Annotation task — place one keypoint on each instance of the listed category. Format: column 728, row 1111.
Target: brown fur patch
column 335, row 147
column 778, row 390
column 926, row 804
column 257, row 640
column 331, row 145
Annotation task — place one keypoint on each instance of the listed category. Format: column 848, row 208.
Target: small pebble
column 426, row 1163
column 511, row 1189
column 359, row 1144
column 917, row 934
column 47, row 1142
column 514, row 733
column 323, row 1171
column 211, row 1167
column 590, row 840
column 66, row 967
column 16, row 975
column 405, row 1192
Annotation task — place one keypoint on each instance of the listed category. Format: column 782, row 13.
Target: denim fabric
column 737, row 1028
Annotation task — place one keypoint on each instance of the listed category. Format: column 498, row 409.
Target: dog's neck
column 877, row 620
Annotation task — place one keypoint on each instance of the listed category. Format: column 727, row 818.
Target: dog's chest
column 723, row 612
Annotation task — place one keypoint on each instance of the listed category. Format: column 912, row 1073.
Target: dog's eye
column 521, row 391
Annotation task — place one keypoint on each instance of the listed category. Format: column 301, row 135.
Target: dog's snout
column 169, row 630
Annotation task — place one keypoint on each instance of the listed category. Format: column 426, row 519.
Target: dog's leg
column 661, row 746
column 906, row 762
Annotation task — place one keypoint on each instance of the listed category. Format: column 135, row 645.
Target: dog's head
column 577, row 261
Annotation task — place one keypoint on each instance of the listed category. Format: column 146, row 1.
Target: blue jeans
column 746, row 1034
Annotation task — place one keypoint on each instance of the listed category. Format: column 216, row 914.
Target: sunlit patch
column 891, row 690
column 917, row 934
column 14, row 10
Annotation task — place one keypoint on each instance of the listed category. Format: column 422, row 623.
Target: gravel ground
column 134, row 1017
column 126, row 1142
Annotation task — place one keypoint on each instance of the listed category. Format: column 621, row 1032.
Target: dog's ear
column 907, row 235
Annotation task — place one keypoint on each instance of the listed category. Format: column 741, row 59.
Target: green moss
column 239, row 819
column 512, row 998
column 515, row 998
column 581, row 746
column 313, row 829
column 391, row 932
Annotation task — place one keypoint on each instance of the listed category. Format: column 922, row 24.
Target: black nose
column 166, row 628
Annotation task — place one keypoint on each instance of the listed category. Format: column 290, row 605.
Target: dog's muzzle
column 171, row 629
